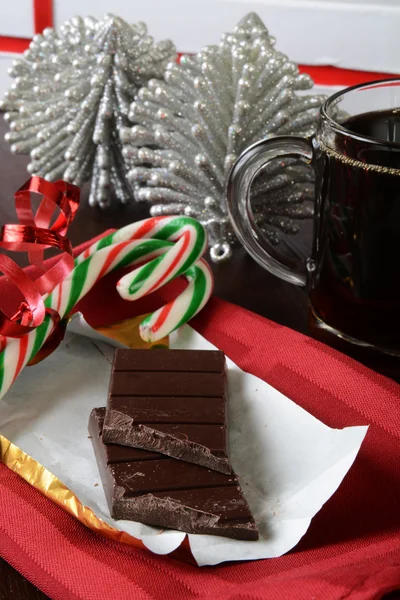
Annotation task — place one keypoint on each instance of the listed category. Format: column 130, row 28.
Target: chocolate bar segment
column 157, row 383
column 187, row 361
column 145, row 409
column 165, row 492
column 172, row 402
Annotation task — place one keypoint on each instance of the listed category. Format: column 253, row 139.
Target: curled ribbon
column 34, row 234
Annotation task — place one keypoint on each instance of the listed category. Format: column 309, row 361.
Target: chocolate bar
column 164, row 492
column 172, row 402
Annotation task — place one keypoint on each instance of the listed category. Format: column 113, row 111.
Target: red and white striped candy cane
column 172, row 245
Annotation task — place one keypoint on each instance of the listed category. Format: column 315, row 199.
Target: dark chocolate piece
column 172, row 402
column 114, row 453
column 165, row 492
column 158, row 383
column 190, row 361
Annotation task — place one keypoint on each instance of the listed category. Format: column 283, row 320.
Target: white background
column 361, row 34
column 358, row 34
column 16, row 18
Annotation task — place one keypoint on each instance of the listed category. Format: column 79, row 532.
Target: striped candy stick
column 183, row 308
column 191, row 242
column 121, row 249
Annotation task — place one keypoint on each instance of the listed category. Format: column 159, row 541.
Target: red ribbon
column 34, row 235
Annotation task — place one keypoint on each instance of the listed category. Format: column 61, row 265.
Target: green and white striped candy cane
column 172, row 246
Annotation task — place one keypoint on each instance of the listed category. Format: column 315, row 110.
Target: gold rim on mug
column 352, row 162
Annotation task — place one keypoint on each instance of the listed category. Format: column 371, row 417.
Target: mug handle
column 241, row 177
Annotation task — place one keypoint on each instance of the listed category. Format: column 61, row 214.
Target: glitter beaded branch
column 190, row 128
column 71, row 93
column 170, row 246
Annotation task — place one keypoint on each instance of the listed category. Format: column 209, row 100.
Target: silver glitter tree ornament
column 191, row 126
column 71, row 93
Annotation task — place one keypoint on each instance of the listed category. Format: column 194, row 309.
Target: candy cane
column 174, row 245
column 180, row 311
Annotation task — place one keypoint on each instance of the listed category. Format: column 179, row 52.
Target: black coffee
column 356, row 288
column 380, row 125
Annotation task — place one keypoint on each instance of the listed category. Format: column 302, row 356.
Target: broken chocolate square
column 165, row 492
column 172, row 402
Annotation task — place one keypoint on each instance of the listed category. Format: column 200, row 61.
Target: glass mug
column 353, row 273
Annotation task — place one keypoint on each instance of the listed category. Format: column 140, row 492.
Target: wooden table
column 240, row 281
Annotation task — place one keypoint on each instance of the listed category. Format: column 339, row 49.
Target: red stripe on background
column 12, row 44
column 42, row 18
column 42, row 14
column 383, row 85
column 325, row 75
column 322, row 75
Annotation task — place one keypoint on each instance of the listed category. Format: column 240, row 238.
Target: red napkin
column 352, row 548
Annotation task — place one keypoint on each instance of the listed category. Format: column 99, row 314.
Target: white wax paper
column 289, row 463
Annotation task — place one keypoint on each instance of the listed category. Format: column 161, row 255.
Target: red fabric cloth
column 352, row 549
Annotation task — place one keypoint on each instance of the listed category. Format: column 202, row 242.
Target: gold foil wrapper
column 126, row 332
column 47, row 483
